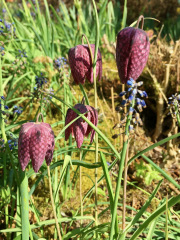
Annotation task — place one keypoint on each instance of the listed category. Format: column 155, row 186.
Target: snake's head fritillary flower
column 81, row 63
column 132, row 51
column 80, row 128
column 36, row 142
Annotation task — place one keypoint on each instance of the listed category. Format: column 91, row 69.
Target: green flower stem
column 24, row 205
column 124, row 191
column 80, row 186
column 121, row 166
column 53, row 206
column 95, row 103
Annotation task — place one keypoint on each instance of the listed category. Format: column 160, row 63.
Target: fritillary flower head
column 36, row 142
column 81, row 63
column 132, row 51
column 80, row 128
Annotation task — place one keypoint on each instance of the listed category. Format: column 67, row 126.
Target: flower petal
column 70, row 115
column 23, row 144
column 38, row 146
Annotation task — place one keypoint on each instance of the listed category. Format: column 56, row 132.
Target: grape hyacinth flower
column 132, row 51
column 36, row 142
column 60, row 63
column 80, row 128
column 135, row 104
column 40, row 82
column 17, row 110
column 81, row 63
column 174, row 107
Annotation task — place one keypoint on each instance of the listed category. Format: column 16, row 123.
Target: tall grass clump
column 49, row 111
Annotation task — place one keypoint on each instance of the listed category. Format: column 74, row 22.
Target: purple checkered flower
column 132, row 51
column 36, row 142
column 81, row 63
column 80, row 128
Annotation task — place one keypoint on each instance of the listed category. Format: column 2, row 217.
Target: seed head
column 81, row 63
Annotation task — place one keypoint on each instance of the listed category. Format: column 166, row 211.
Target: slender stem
column 24, row 205
column 166, row 224
column 89, row 45
column 138, row 21
column 95, row 103
column 122, row 160
column 124, row 191
column 53, row 206
column 37, row 118
column 80, row 186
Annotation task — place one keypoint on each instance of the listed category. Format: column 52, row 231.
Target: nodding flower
column 80, row 63
column 80, row 128
column 36, row 142
column 132, row 51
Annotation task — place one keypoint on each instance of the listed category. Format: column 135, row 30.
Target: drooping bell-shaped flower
column 36, row 142
column 80, row 63
column 132, row 51
column 80, row 128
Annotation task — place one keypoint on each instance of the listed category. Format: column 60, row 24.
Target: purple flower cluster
column 17, row 110
column 12, row 142
column 59, row 63
column 131, row 94
column 6, row 27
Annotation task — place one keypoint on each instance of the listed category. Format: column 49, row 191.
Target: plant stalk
column 124, row 191
column 95, row 103
column 121, row 166
column 24, row 205
column 53, row 206
column 80, row 186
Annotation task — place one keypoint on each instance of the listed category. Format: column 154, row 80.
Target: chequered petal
column 70, row 115
column 94, row 120
column 23, row 144
column 132, row 51
column 38, row 146
column 50, row 142
column 80, row 126
column 81, row 64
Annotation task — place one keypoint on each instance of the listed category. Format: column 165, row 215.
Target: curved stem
column 37, row 118
column 52, row 202
column 89, row 46
column 138, row 21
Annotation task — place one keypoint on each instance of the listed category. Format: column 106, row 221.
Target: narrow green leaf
column 158, row 212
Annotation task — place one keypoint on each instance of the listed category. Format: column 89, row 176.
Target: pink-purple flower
column 132, row 51
column 36, row 142
column 80, row 63
column 81, row 128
